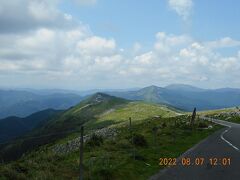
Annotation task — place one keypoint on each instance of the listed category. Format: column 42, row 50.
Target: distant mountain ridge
column 184, row 87
column 12, row 127
column 185, row 97
column 24, row 103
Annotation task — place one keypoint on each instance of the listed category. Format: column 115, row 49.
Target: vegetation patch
column 139, row 140
column 95, row 140
column 116, row 158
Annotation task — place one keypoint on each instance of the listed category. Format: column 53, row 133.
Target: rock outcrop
column 73, row 145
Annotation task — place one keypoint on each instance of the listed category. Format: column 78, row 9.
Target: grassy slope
column 85, row 111
column 216, row 111
column 138, row 111
column 64, row 124
column 114, row 158
column 223, row 114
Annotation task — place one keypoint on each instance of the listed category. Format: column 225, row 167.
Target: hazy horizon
column 105, row 89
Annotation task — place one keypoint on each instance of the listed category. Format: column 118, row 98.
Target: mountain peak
column 99, row 97
column 102, row 97
column 152, row 87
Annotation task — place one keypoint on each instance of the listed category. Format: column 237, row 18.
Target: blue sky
column 138, row 21
column 86, row 44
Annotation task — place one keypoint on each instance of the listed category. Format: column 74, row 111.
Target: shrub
column 105, row 173
column 164, row 125
column 139, row 140
column 139, row 157
column 123, row 144
column 10, row 173
column 95, row 140
column 202, row 125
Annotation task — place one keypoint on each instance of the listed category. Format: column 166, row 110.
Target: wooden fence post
column 131, row 132
column 81, row 154
column 193, row 117
column 154, row 131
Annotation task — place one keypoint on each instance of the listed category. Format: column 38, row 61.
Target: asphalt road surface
column 215, row 158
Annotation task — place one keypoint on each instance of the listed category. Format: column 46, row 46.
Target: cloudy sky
column 86, row 44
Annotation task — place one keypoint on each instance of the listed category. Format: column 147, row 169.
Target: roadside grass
column 227, row 114
column 230, row 118
column 217, row 111
column 235, row 119
column 116, row 158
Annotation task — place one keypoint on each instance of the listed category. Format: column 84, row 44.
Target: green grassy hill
column 138, row 111
column 87, row 110
column 131, row 153
column 62, row 125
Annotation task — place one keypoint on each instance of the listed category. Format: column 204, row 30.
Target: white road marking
column 229, row 127
column 227, row 140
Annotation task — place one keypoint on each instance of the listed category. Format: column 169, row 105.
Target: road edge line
column 229, row 127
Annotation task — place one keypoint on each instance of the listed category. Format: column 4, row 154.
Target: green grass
column 216, row 111
column 138, row 111
column 114, row 158
column 93, row 117
column 223, row 114
column 235, row 119
column 226, row 117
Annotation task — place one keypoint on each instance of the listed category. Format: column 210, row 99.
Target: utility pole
column 130, row 123
column 131, row 132
column 154, row 131
column 81, row 154
column 193, row 117
column 174, row 132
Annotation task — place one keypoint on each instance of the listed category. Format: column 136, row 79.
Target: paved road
column 224, row 143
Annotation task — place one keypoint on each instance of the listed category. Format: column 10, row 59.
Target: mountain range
column 185, row 97
column 24, row 103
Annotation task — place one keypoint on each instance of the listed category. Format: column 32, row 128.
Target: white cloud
column 165, row 43
column 96, row 46
column 45, row 54
column 19, row 16
column 182, row 7
column 173, row 40
column 223, row 42
column 40, row 10
column 145, row 59
column 40, row 38
column 76, row 56
column 186, row 60
column 137, row 47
